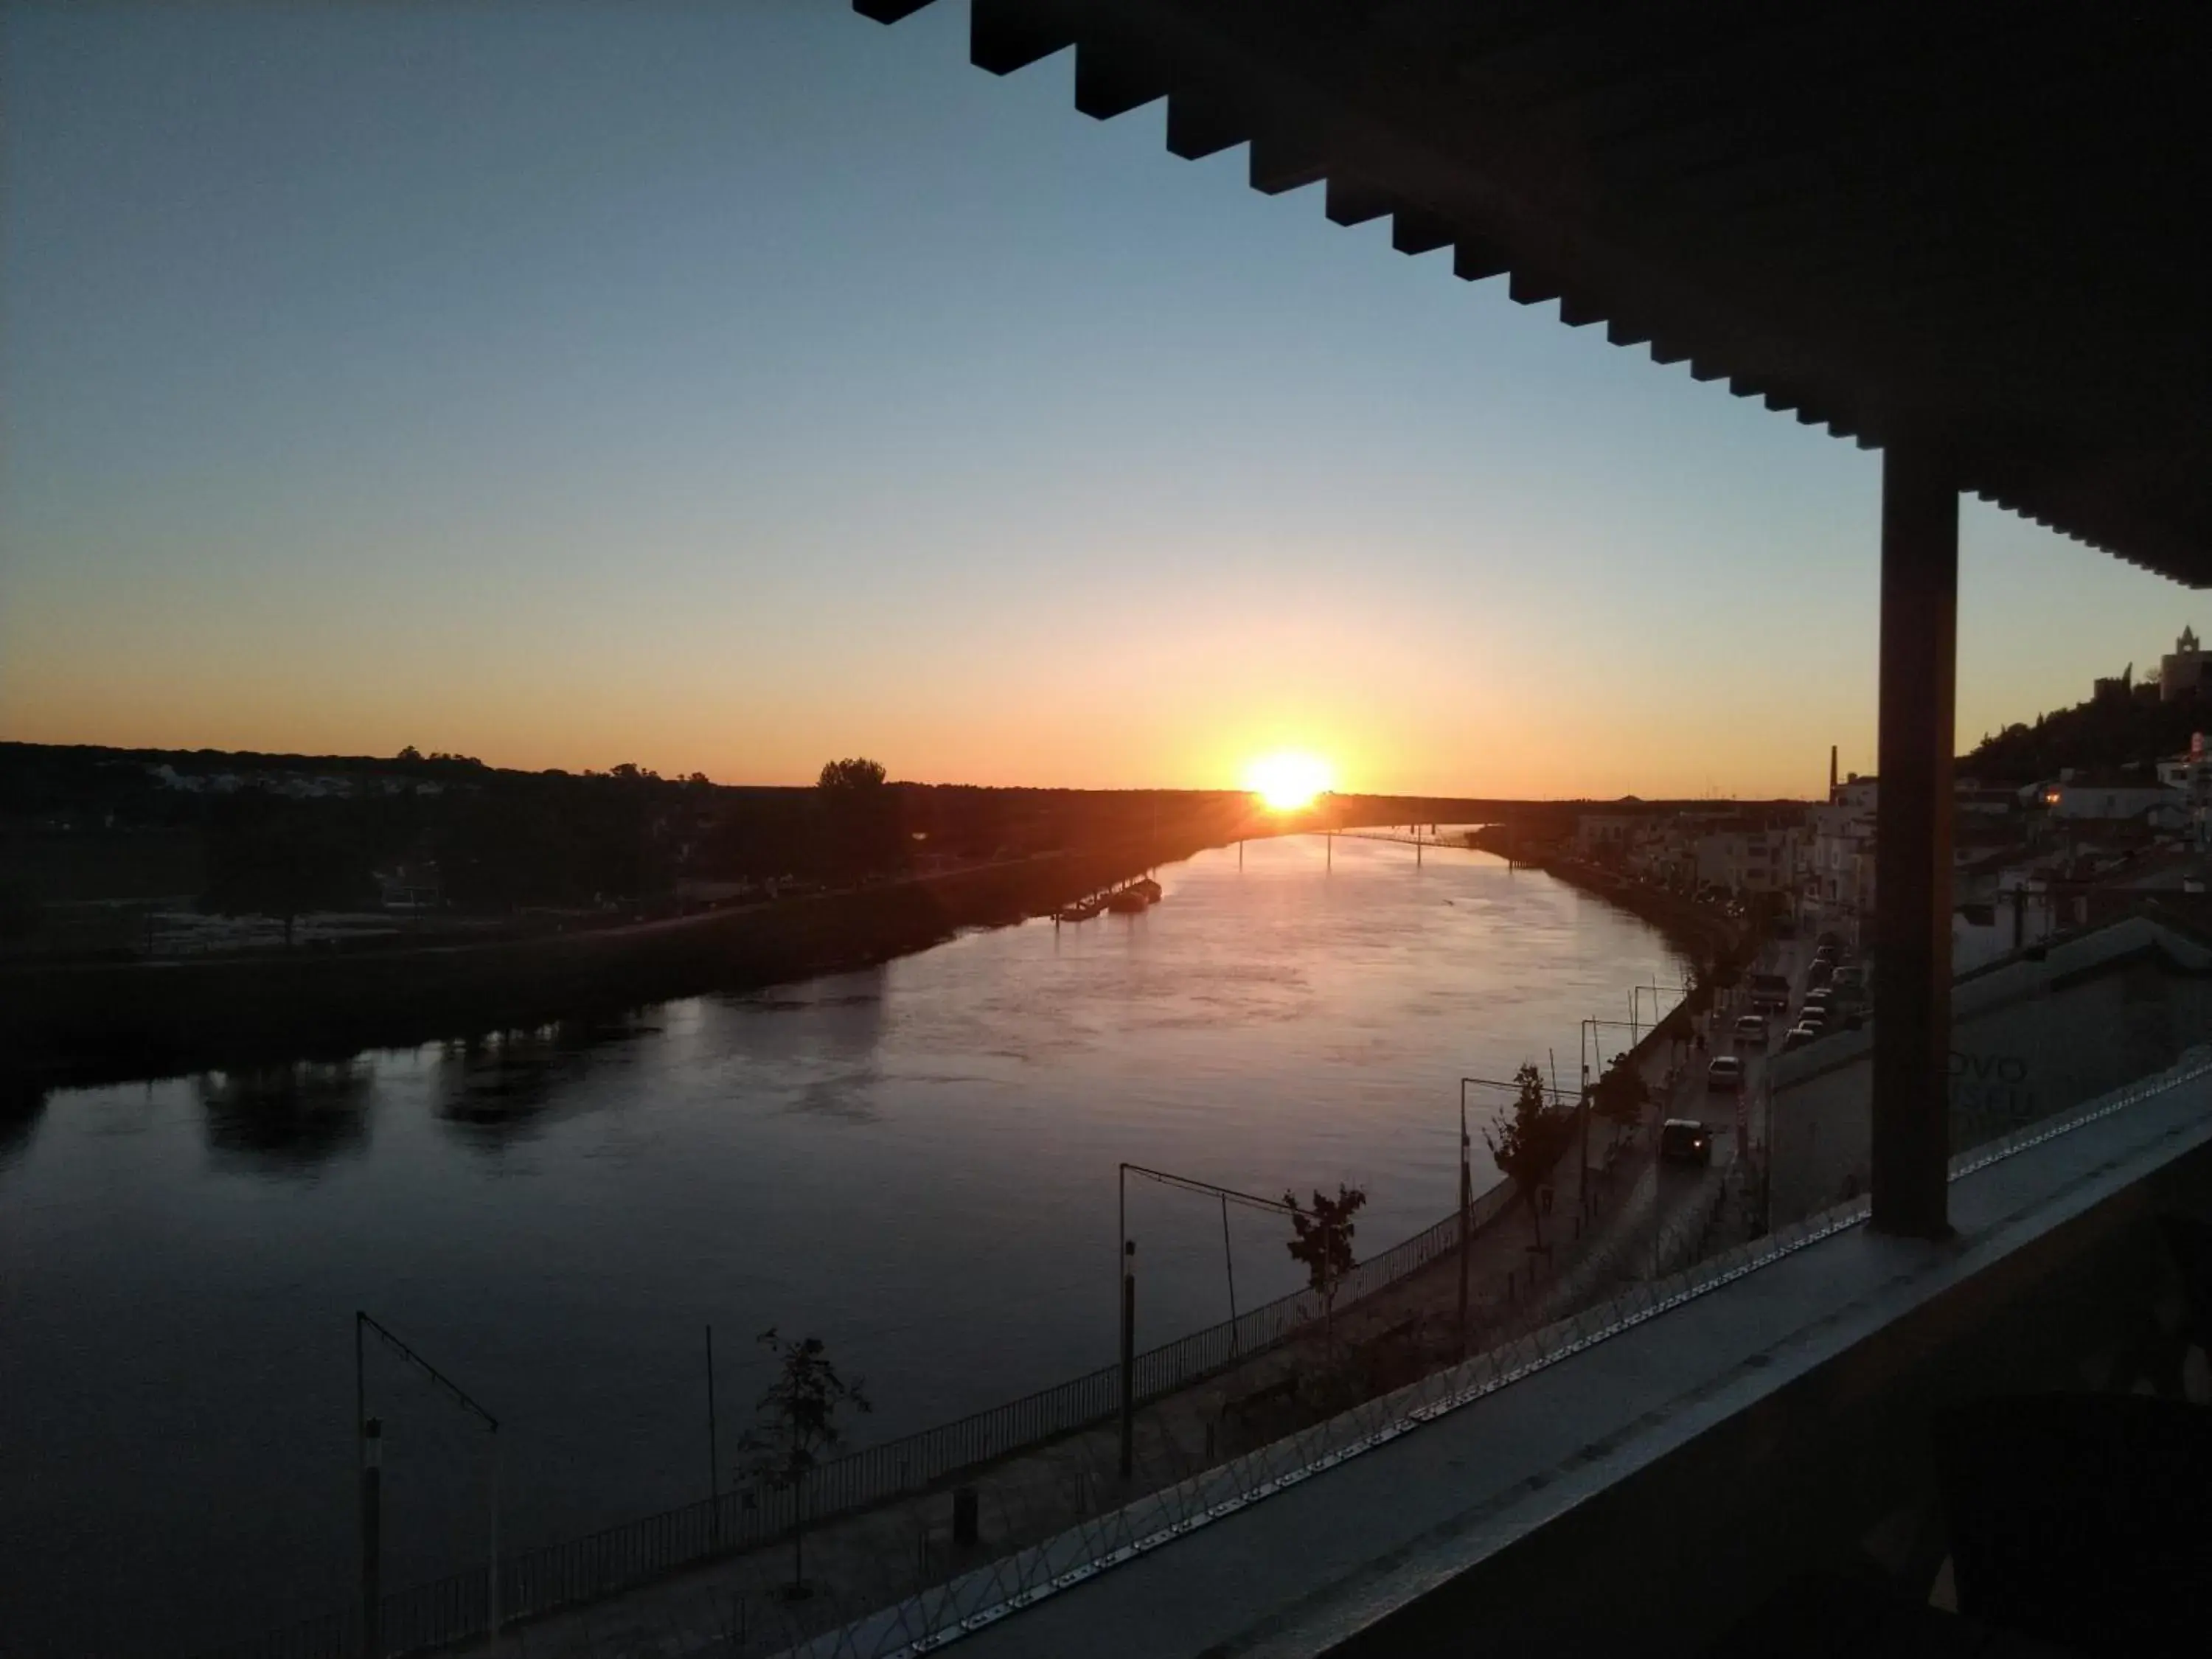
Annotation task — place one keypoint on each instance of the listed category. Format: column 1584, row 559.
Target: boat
column 1081, row 910
column 1133, row 896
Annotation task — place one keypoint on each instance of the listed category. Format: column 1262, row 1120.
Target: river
column 916, row 1164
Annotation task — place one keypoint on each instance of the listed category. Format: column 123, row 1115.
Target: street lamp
column 1466, row 1212
column 1635, row 995
column 372, row 1460
column 1128, row 1263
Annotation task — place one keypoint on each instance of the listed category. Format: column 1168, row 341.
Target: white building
column 1748, row 860
column 1600, row 835
column 1839, row 863
column 2153, row 805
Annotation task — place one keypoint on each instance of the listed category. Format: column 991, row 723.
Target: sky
column 729, row 386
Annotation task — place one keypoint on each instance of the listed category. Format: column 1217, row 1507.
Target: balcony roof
column 1974, row 225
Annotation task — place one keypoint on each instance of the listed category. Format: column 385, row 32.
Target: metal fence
column 538, row 1581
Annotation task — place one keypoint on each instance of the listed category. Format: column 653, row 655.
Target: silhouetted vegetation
column 2107, row 733
column 284, row 835
column 1528, row 1139
column 796, row 1421
column 266, row 857
column 1621, row 1094
column 1321, row 1239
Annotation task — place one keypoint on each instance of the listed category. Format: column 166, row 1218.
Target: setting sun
column 1288, row 781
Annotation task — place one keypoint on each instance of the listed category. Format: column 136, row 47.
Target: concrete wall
column 2029, row 1039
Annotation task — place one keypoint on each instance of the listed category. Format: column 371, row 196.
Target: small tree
column 796, row 1421
column 1322, row 1239
column 1530, row 1139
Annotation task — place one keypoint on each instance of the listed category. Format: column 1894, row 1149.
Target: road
column 1737, row 1122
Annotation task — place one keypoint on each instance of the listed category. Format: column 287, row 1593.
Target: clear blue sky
column 730, row 386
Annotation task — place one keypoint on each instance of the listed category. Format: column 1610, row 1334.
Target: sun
column 1288, row 781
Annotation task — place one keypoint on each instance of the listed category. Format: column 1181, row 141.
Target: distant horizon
column 893, row 776
column 735, row 387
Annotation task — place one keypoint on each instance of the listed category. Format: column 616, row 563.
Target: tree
column 409, row 755
column 860, row 819
column 1526, row 1142
column 796, row 1421
column 1322, row 1239
column 1621, row 1094
column 270, row 858
column 850, row 776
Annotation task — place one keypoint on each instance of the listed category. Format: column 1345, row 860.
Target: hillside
column 2105, row 734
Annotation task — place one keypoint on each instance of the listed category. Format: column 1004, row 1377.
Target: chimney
column 1831, row 771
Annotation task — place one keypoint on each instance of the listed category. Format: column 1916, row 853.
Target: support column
column 1912, row 843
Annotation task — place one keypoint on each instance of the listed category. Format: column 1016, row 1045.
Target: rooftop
column 1886, row 219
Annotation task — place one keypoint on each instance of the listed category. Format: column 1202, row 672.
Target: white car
column 1751, row 1028
column 1725, row 1074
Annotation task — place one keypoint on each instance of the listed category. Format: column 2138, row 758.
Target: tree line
column 282, row 835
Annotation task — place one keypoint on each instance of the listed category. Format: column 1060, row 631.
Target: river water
column 916, row 1164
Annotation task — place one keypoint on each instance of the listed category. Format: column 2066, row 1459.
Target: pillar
column 1912, row 843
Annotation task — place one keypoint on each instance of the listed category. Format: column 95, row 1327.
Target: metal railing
column 538, row 1581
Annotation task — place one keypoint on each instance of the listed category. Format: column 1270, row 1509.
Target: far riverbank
column 1703, row 936
column 112, row 1022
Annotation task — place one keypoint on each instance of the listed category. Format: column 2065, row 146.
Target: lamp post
column 1635, row 995
column 372, row 1432
column 372, row 1537
column 1593, row 1050
column 1226, row 1195
column 1466, row 1215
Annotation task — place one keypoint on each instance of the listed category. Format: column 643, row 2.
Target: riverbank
column 1699, row 933
column 114, row 1022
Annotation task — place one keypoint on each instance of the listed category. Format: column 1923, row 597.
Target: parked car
column 1848, row 977
column 1725, row 1074
column 1684, row 1140
column 1815, row 1017
column 1751, row 1028
column 1819, row 974
column 1799, row 1035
